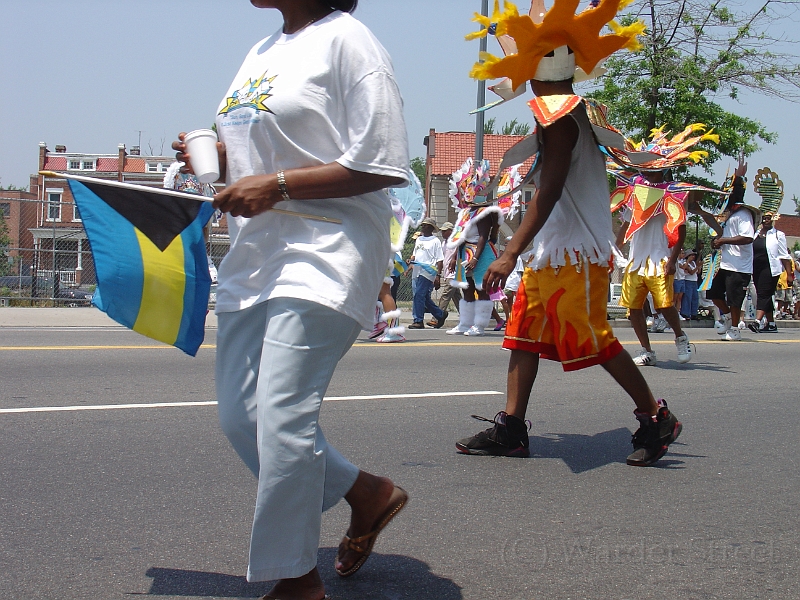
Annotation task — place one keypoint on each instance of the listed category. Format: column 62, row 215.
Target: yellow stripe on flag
column 162, row 293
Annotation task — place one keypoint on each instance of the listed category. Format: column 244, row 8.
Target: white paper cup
column 201, row 146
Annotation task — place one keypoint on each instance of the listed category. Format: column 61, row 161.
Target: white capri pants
column 274, row 363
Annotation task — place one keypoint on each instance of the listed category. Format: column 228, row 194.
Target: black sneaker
column 440, row 322
column 754, row 327
column 770, row 328
column 508, row 437
column 416, row 325
column 651, row 440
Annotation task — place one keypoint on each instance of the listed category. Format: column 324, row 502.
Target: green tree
column 693, row 54
column 796, row 201
column 418, row 166
column 488, row 126
column 514, row 127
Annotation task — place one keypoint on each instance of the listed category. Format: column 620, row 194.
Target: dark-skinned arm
column 693, row 206
column 558, row 140
column 484, row 228
column 669, row 268
column 256, row 194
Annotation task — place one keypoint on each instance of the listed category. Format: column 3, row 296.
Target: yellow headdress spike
column 560, row 27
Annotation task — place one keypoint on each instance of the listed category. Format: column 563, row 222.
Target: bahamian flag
column 150, row 257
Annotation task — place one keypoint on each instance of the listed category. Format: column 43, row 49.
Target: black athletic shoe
column 440, row 322
column 416, row 325
column 508, row 437
column 651, row 440
column 754, row 327
column 769, row 329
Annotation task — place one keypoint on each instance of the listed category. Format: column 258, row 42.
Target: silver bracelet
column 282, row 185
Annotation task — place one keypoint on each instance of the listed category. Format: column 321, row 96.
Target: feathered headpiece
column 672, row 151
column 467, row 183
column 559, row 26
column 768, row 185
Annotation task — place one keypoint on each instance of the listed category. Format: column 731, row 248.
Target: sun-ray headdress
column 647, row 200
column 675, row 151
column 559, row 26
column 768, row 185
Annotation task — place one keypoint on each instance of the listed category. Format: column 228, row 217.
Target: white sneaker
column 684, row 349
column 659, row 325
column 475, row 330
column 645, row 359
column 733, row 335
column 457, row 330
column 390, row 338
column 649, row 321
column 723, row 326
column 742, row 325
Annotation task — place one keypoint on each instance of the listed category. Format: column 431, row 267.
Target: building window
column 76, row 215
column 77, row 164
column 5, row 209
column 157, row 167
column 54, row 205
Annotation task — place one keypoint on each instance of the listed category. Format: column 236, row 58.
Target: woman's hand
column 185, row 158
column 250, row 196
column 498, row 272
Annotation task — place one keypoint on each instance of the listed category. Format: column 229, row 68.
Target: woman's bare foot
column 307, row 587
column 368, row 498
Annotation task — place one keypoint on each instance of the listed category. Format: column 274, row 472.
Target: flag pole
column 177, row 194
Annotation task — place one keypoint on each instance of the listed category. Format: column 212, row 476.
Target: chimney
column 121, row 162
column 430, row 142
column 61, row 149
column 42, row 154
column 33, row 188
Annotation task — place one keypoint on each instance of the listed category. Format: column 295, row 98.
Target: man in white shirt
column 427, row 261
column 735, row 242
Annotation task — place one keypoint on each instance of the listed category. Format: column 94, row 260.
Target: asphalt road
column 115, row 503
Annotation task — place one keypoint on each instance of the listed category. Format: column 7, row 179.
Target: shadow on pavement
column 384, row 577
column 585, row 452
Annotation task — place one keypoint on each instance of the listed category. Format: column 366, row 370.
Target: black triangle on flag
column 158, row 216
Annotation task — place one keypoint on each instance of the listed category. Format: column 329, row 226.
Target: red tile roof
column 55, row 163
column 453, row 148
column 107, row 164
column 134, row 165
column 789, row 224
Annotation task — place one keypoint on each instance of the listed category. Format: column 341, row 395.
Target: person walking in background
column 651, row 269
column 677, row 284
column 294, row 293
column 771, row 262
column 691, row 299
column 735, row 241
column 447, row 292
column 427, row 262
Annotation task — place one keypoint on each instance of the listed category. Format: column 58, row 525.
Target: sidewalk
column 92, row 317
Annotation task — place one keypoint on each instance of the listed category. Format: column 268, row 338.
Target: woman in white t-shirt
column 312, row 123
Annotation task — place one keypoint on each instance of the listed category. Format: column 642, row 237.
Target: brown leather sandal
column 363, row 544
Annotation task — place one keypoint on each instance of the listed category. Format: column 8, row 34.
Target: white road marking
column 34, row 409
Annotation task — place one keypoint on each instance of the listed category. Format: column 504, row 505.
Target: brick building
column 48, row 227
column 446, row 152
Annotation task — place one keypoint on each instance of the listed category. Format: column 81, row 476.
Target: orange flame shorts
column 562, row 315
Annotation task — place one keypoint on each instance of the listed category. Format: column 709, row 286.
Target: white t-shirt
column 580, row 224
column 325, row 94
column 690, row 276
column 427, row 251
column 738, row 258
column 649, row 248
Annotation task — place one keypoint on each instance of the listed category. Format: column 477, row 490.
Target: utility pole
column 479, row 117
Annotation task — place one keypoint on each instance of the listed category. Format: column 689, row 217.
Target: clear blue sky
column 90, row 74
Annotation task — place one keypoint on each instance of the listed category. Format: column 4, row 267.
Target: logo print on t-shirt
column 252, row 94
